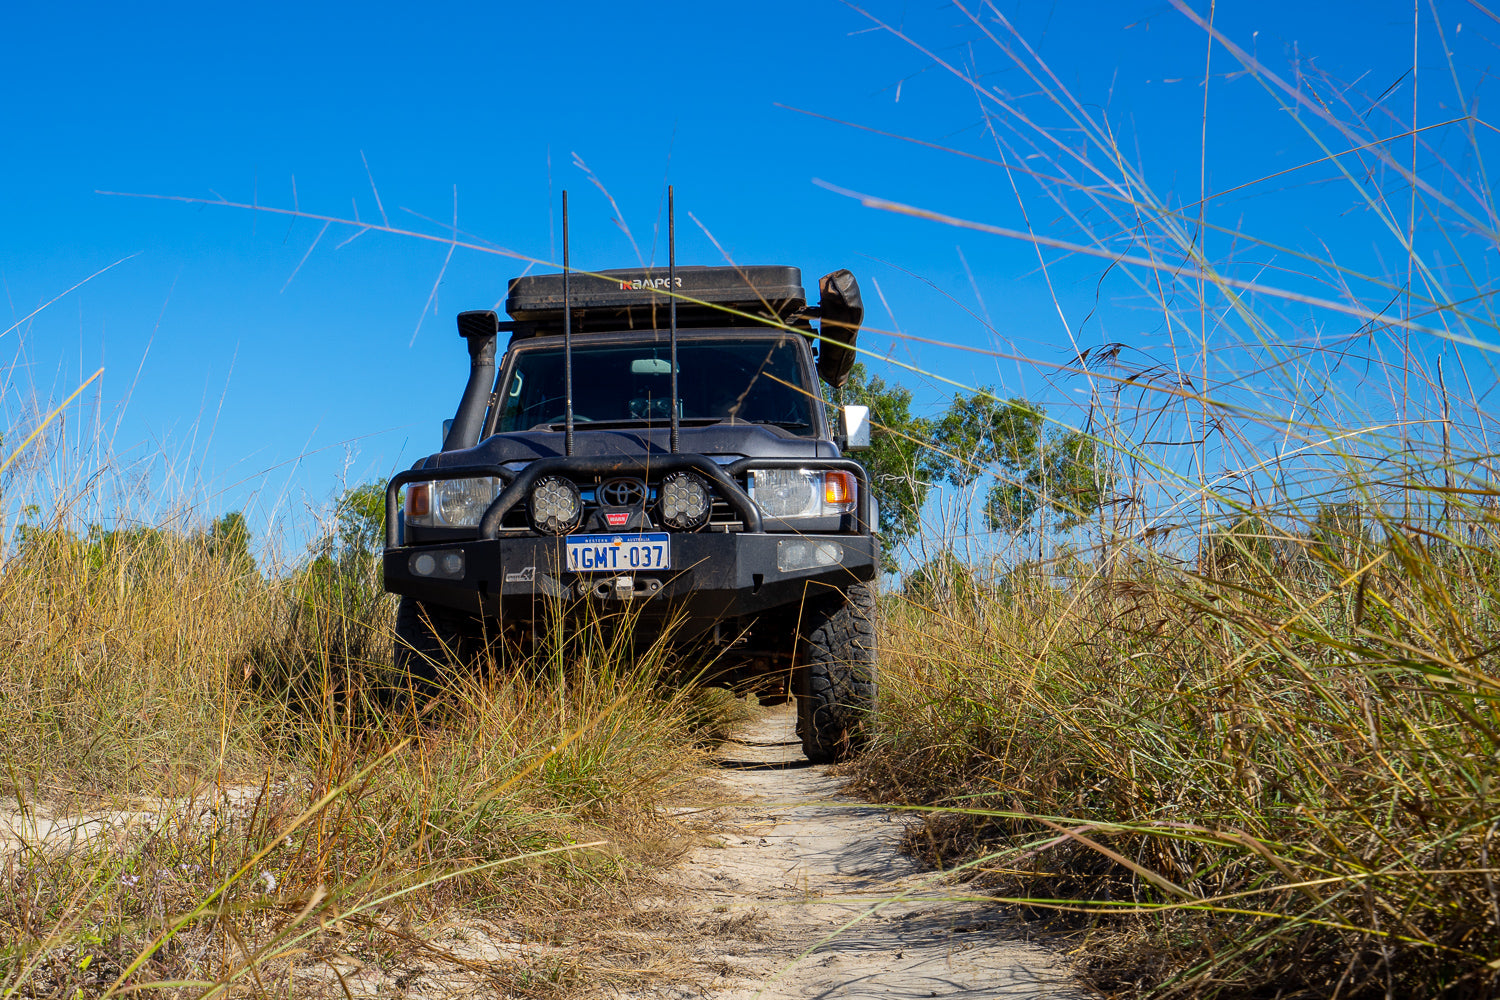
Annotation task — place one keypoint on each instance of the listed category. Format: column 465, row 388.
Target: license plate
column 618, row 553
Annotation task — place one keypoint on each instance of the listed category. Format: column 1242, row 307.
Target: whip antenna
column 567, row 339
column 672, row 305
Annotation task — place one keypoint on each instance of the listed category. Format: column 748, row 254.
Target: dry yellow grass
column 270, row 810
column 1270, row 773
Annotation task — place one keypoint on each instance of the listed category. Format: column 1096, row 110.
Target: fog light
column 685, row 501
column 795, row 554
column 447, row 563
column 556, row 507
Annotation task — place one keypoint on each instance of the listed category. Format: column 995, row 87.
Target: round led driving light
column 685, row 501
column 556, row 507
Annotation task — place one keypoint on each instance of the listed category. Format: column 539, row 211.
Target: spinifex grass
column 262, row 810
column 1238, row 710
column 1276, row 773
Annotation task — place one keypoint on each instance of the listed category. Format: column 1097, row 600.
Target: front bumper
column 714, row 576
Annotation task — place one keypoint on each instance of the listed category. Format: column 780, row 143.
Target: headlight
column 450, row 503
column 792, row 493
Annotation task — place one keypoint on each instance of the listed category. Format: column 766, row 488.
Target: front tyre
column 429, row 638
column 837, row 679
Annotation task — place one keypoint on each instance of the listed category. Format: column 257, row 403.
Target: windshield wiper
column 791, row 425
column 597, row 425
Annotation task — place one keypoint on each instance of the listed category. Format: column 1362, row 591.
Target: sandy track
column 802, row 863
column 798, row 891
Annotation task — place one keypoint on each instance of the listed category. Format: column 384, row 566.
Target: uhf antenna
column 568, row 340
column 672, row 305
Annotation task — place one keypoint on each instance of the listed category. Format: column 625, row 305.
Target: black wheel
column 836, row 675
column 430, row 638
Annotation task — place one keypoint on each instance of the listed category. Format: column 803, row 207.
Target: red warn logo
column 617, row 518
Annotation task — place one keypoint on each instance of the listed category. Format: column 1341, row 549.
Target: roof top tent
column 638, row 299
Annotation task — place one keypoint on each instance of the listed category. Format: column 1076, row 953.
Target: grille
column 516, row 521
column 723, row 517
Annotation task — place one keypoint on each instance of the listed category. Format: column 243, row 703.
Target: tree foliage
column 349, row 551
column 1057, row 474
column 228, row 539
column 944, row 579
column 897, row 461
column 1039, row 477
column 981, row 433
column 360, row 522
column 1065, row 477
column 139, row 547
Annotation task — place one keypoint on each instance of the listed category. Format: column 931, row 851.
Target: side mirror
column 855, row 427
column 447, row 426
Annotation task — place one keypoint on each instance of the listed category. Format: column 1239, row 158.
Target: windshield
column 745, row 380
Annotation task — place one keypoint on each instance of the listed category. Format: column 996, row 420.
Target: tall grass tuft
column 1276, row 774
column 1239, row 730
column 205, row 786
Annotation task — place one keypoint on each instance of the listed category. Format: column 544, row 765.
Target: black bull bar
column 518, row 485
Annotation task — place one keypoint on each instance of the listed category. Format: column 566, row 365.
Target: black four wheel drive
column 655, row 440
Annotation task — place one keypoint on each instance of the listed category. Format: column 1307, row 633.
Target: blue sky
column 267, row 372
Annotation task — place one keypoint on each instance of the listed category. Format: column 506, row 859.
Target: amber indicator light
column 418, row 500
column 838, row 487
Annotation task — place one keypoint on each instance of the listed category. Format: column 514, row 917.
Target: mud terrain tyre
column 430, row 639
column 837, row 681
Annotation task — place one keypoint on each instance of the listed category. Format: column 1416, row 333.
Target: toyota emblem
column 623, row 493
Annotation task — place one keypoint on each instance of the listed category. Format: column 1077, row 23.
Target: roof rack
column 638, row 299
